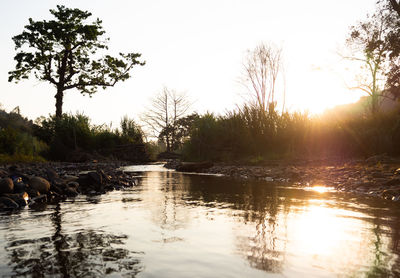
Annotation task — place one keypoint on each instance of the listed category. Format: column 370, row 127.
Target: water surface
column 178, row 225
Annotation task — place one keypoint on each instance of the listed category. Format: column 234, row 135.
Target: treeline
column 69, row 138
column 251, row 134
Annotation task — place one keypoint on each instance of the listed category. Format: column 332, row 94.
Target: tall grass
column 250, row 134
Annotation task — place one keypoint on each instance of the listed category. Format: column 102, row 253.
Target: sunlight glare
column 319, row 188
column 320, row 231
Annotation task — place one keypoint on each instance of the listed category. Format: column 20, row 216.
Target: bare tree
column 167, row 108
column 263, row 66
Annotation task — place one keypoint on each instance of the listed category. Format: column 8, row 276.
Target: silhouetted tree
column 180, row 131
column 369, row 46
column 62, row 52
column 162, row 117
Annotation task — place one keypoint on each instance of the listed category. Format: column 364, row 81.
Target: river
column 185, row 225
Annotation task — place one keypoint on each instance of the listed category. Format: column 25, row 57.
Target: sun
column 319, row 90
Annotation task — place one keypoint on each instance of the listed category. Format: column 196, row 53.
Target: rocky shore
column 375, row 176
column 32, row 184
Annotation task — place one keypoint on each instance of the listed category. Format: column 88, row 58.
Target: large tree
column 66, row 52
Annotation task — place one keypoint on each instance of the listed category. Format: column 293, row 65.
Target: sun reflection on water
column 319, row 188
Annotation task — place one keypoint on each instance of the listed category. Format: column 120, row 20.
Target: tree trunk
column 167, row 139
column 59, row 102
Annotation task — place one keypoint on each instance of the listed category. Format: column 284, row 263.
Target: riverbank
column 375, row 176
column 38, row 183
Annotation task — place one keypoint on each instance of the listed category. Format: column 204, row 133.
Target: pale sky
column 197, row 47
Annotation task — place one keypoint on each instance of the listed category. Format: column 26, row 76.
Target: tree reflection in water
column 87, row 253
column 264, row 248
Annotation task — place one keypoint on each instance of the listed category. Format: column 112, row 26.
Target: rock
column 68, row 178
column 378, row 175
column 13, row 169
column 194, row 166
column 3, row 173
column 19, row 185
column 56, row 189
column 105, row 178
column 71, row 191
column 40, row 184
column 51, row 174
column 7, row 203
column 391, row 194
column 32, row 192
column 393, row 182
column 20, row 199
column 172, row 164
column 40, row 199
column 91, row 181
column 6, row 185
column 96, row 177
column 376, row 158
column 73, row 184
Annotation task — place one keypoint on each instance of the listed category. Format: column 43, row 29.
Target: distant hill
column 361, row 107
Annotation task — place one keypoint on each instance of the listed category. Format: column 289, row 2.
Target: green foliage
column 62, row 52
column 6, row 158
column 130, row 131
column 16, row 139
column 178, row 131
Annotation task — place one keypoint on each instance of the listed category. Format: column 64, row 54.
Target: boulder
column 40, row 184
column 91, row 181
column 6, row 185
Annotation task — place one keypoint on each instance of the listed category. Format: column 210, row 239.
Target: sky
column 197, row 47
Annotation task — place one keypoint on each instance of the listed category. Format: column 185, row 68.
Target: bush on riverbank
column 76, row 133
column 252, row 135
column 17, row 142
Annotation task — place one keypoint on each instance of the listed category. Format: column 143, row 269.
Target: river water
column 185, row 225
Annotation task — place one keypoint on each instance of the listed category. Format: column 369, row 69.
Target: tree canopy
column 65, row 52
